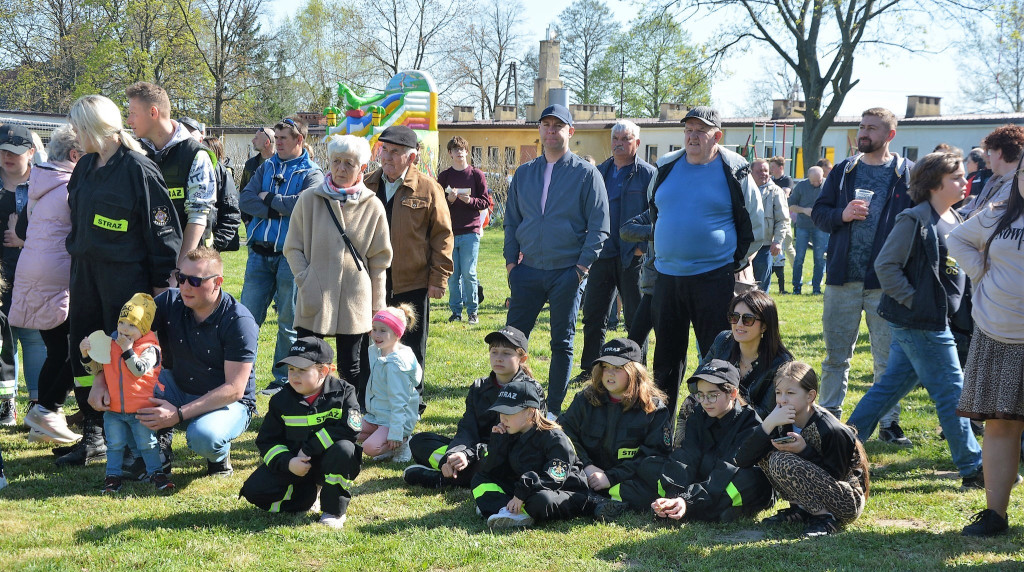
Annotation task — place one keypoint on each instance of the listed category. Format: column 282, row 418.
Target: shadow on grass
column 248, row 519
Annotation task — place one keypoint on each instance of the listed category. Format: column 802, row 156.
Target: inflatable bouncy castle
column 410, row 99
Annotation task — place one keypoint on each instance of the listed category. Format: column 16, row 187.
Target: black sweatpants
column 491, row 496
column 335, row 471
column 606, row 276
column 55, row 379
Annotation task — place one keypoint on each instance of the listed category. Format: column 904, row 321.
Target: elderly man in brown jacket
column 421, row 230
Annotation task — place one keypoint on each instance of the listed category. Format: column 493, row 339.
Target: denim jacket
column 632, row 202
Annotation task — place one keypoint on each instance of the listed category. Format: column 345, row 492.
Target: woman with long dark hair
column 990, row 248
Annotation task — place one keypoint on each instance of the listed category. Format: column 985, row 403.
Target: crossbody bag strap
column 348, row 242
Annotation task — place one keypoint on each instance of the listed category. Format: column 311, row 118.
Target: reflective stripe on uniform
column 734, row 494
column 273, row 452
column 313, row 418
column 661, row 489
column 276, row 507
column 614, row 492
column 485, row 488
column 436, row 456
column 335, row 479
column 325, row 438
column 83, row 381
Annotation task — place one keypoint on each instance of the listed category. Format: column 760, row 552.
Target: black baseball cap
column 620, row 351
column 717, row 372
column 510, row 334
column 191, row 124
column 559, row 111
column 516, row 396
column 15, row 138
column 399, row 135
column 306, row 352
column 706, row 114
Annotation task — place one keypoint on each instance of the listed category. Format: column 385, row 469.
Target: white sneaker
column 51, row 423
column 505, row 519
column 403, row 454
column 336, row 522
column 385, row 456
column 36, row 436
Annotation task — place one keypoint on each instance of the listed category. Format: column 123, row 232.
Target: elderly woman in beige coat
column 338, row 246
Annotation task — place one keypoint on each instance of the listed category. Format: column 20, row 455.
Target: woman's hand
column 781, row 415
column 795, row 447
column 514, row 506
column 669, row 508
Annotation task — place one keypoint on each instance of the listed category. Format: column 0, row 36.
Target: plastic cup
column 863, row 195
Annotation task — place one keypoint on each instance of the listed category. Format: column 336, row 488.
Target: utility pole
column 622, row 84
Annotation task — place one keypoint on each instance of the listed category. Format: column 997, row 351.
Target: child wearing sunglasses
column 126, row 372
column 701, row 480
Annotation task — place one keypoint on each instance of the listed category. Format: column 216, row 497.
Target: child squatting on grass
column 812, row 459
column 616, row 424
column 307, row 439
column 392, row 402
column 700, row 480
column 531, row 472
column 126, row 368
column 443, row 461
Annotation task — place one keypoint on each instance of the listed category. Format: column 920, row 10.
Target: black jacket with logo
column 292, row 424
column 614, row 439
column 533, row 461
column 474, row 430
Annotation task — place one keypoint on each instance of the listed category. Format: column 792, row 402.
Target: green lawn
column 57, row 519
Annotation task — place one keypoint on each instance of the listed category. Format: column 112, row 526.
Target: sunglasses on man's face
column 748, row 319
column 193, row 281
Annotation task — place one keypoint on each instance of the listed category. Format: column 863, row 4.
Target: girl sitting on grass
column 392, row 402
column 615, row 424
column 701, row 481
column 531, row 472
column 812, row 459
column 444, row 461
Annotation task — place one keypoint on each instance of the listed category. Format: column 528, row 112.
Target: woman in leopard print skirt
column 812, row 459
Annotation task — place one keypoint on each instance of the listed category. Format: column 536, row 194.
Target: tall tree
column 493, row 38
column 996, row 52
column 587, row 28
column 324, row 51
column 234, row 50
column 409, row 34
column 818, row 40
column 658, row 65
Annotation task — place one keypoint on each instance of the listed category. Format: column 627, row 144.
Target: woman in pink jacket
column 40, row 297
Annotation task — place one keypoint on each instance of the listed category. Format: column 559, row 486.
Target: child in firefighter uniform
column 307, row 439
column 530, row 472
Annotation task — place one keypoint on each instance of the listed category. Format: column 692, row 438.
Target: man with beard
column 858, row 206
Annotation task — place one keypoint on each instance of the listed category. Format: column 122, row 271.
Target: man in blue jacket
column 556, row 221
column 269, row 198
column 626, row 178
column 858, row 205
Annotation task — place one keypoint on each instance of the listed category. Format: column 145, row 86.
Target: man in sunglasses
column 269, row 197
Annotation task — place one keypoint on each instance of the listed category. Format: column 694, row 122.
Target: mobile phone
column 786, row 439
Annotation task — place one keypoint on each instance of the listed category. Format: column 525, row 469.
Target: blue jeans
column 120, row 430
column 762, row 267
column 31, row 356
column 531, row 288
column 270, row 278
column 928, row 358
column 462, row 283
column 210, row 434
column 819, row 240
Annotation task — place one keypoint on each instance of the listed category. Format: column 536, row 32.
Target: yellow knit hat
column 139, row 312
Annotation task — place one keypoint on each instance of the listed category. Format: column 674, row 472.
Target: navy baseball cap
column 516, row 396
column 708, row 115
column 620, row 351
column 306, row 352
column 716, row 372
column 559, row 111
column 510, row 334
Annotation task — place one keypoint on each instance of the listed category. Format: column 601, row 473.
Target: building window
column 476, row 155
column 672, row 148
column 510, row 157
column 910, row 153
column 652, row 154
column 492, row 157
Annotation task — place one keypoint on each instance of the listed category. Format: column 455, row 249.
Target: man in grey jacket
column 556, row 221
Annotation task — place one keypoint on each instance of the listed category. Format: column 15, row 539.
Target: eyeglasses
column 748, row 319
column 193, row 281
column 709, row 397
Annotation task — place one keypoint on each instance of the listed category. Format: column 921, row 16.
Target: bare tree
column 493, row 38
column 775, row 81
column 996, row 51
column 587, row 28
column 410, row 34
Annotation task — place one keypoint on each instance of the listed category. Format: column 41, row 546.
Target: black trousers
column 430, row 449
column 98, row 291
column 55, row 379
column 606, row 276
column 491, row 496
column 335, row 471
column 642, row 323
column 679, row 301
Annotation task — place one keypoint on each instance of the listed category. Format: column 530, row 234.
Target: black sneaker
column 455, row 318
column 474, row 319
column 422, row 476
column 793, row 514
column 111, row 484
column 161, row 482
column 986, row 523
column 609, row 509
column 975, row 481
column 893, row 435
column 8, row 413
column 821, row 525
column 220, row 468
column 580, row 379
column 272, row 388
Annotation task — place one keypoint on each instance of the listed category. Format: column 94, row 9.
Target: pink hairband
column 391, row 321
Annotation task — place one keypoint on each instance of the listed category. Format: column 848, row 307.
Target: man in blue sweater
column 556, row 221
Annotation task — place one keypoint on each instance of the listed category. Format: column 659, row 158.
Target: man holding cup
column 858, row 205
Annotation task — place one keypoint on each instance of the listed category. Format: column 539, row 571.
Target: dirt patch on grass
column 900, row 523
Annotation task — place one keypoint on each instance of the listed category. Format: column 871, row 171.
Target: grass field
column 57, row 519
